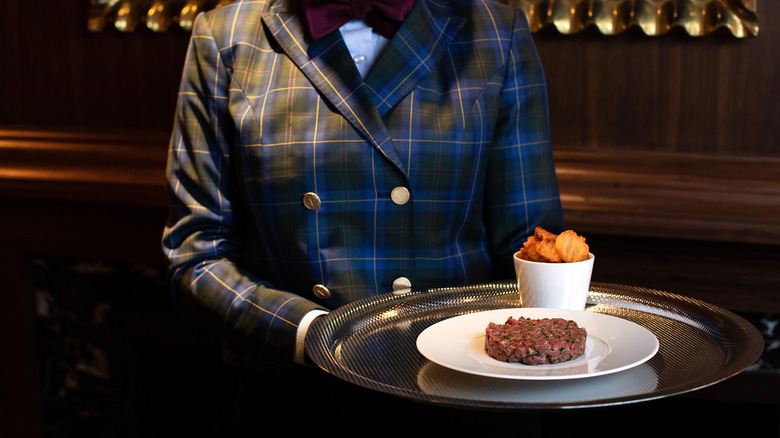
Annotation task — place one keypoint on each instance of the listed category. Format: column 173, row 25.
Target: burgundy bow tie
column 321, row 17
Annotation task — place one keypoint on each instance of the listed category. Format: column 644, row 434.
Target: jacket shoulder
column 500, row 15
column 488, row 24
column 233, row 20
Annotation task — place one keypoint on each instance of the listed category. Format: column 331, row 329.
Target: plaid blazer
column 296, row 184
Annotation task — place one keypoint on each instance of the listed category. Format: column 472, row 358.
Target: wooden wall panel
column 57, row 74
column 675, row 196
column 674, row 93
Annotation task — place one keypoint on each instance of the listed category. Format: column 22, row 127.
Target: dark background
column 668, row 160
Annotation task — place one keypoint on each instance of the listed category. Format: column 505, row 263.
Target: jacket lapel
column 329, row 67
column 413, row 51
column 408, row 58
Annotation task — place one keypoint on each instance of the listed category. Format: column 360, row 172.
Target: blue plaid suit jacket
column 454, row 111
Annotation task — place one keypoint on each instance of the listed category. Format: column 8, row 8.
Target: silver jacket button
column 321, row 291
column 401, row 284
column 311, row 201
column 400, row 195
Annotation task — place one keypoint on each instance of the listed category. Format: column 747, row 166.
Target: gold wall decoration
column 610, row 17
column 153, row 15
column 653, row 17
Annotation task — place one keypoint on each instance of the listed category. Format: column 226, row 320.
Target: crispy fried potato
column 523, row 254
column 541, row 234
column 544, row 246
column 528, row 252
column 571, row 247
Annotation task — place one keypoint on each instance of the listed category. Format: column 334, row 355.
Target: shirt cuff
column 300, row 335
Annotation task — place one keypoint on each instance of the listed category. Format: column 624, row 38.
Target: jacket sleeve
column 521, row 186
column 203, row 237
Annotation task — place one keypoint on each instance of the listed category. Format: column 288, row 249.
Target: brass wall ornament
column 610, row 17
column 653, row 17
column 153, row 15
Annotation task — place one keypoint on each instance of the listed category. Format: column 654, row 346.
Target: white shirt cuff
column 303, row 327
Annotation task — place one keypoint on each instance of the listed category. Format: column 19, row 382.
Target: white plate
column 613, row 344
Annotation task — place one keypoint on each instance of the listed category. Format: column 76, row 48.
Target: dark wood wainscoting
column 605, row 191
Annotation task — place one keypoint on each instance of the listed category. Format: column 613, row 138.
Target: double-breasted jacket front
column 296, row 183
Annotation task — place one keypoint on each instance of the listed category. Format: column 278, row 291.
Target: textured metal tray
column 372, row 343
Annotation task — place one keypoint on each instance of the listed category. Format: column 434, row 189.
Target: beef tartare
column 535, row 341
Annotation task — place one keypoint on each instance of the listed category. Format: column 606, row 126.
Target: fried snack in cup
column 553, row 270
column 571, row 247
column 525, row 254
column 544, row 246
column 529, row 252
column 542, row 234
column 547, row 248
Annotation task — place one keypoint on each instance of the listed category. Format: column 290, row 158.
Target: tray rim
column 600, row 294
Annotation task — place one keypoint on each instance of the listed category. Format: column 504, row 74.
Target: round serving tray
column 372, row 343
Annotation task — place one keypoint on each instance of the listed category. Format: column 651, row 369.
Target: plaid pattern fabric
column 454, row 110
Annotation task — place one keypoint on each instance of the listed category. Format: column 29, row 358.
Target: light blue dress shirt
column 363, row 43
